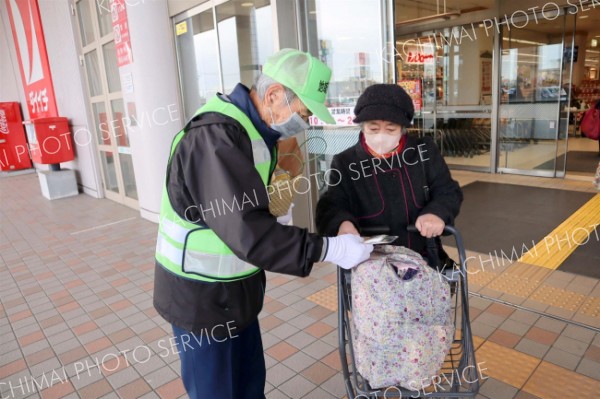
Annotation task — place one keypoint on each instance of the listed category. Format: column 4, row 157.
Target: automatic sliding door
column 464, row 107
column 531, row 71
column 453, row 70
column 419, row 76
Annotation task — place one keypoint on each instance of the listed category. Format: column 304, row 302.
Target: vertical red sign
column 29, row 40
column 121, row 29
column 413, row 88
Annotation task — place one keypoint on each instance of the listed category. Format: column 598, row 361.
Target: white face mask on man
column 291, row 126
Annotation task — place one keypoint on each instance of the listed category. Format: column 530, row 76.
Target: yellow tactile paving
column 480, row 277
column 520, row 279
column 558, row 297
column 490, row 262
column 515, row 368
column 527, row 271
column 328, row 298
column 514, row 285
column 553, row 382
column 552, row 251
column 591, row 307
column 504, row 364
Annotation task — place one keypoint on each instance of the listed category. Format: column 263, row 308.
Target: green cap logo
column 305, row 75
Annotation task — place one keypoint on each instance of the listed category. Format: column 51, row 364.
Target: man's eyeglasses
column 305, row 115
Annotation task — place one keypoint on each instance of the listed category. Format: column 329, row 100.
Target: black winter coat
column 212, row 163
column 375, row 192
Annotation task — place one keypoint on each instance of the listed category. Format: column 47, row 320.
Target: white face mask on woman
column 382, row 136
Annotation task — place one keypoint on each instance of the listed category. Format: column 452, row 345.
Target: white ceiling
column 411, row 9
column 589, row 24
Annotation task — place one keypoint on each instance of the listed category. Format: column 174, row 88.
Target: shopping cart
column 458, row 378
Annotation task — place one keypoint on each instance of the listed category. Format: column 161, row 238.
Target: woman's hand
column 430, row 225
column 347, row 228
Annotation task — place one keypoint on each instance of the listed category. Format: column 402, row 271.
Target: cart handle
column 411, row 228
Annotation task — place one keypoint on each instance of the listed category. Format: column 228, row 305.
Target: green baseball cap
column 305, row 75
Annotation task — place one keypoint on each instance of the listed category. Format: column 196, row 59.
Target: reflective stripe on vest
column 194, row 252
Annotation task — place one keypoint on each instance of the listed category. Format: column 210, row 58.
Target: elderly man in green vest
column 217, row 237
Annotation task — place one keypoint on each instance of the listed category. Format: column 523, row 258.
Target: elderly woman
column 382, row 180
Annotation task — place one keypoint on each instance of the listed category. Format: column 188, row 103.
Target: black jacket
column 213, row 162
column 371, row 192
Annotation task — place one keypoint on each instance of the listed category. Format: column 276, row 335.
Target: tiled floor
column 76, row 315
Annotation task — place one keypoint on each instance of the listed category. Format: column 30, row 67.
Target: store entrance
column 549, row 79
column 583, row 154
column 503, row 98
column 535, row 69
column 221, row 46
column 451, row 71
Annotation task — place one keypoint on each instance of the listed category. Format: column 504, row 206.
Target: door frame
column 532, row 172
column 494, row 166
column 106, row 97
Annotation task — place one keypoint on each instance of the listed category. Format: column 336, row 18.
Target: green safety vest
column 196, row 252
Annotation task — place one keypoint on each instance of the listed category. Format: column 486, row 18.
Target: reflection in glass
column 93, row 71
column 228, row 43
column 126, row 163
column 569, row 103
column 347, row 36
column 454, row 78
column 245, row 40
column 198, row 60
column 118, row 123
column 86, row 28
column 207, row 69
column 101, row 123
column 110, row 174
column 104, row 16
column 112, row 68
column 530, row 76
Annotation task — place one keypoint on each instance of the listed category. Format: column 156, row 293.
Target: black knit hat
column 388, row 102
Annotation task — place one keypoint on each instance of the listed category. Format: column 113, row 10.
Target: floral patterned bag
column 401, row 318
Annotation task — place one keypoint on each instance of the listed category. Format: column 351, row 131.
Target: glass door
column 452, row 69
column 99, row 58
column 421, row 77
column 218, row 47
column 198, row 56
column 464, row 59
column 531, row 73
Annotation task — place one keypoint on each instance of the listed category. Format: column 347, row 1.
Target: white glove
column 347, row 250
column 285, row 219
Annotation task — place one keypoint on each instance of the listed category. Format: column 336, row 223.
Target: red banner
column 121, row 30
column 29, row 40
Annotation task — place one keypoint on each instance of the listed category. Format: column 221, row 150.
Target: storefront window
column 216, row 55
column 197, row 51
column 530, row 78
column 245, row 40
column 351, row 37
column 448, row 72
